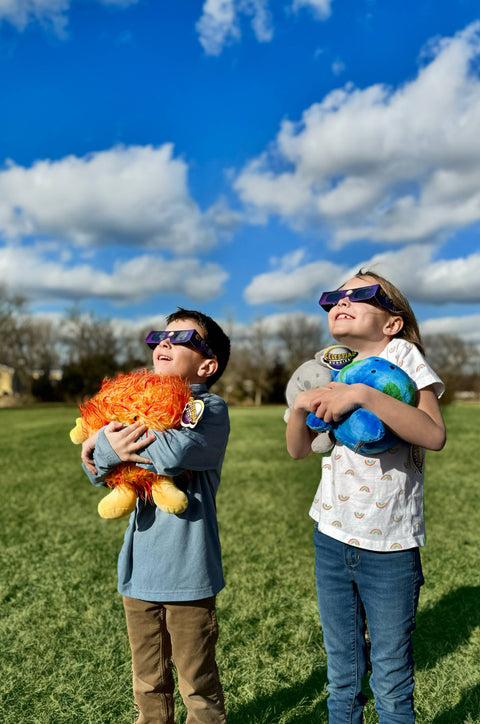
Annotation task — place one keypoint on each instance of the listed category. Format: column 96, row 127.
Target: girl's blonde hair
column 410, row 330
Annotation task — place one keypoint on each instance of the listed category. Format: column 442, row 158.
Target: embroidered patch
column 192, row 413
column 338, row 356
column 417, row 457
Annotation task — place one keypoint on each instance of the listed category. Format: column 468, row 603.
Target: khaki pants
column 184, row 634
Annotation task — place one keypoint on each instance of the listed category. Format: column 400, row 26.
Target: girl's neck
column 364, row 348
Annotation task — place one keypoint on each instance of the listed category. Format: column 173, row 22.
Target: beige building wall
column 6, row 380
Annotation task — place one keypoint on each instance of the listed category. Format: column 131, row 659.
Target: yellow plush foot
column 120, row 502
column 77, row 435
column 168, row 497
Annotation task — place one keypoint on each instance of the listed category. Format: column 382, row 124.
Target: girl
column 369, row 511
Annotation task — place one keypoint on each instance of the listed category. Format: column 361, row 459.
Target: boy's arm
column 126, row 444
column 99, row 460
column 170, row 452
column 199, row 448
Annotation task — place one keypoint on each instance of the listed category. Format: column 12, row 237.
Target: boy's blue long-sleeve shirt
column 168, row 557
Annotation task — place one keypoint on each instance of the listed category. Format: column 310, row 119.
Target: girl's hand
column 334, row 401
column 126, row 442
column 331, row 402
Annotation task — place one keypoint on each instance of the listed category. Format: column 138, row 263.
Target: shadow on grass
column 447, row 626
column 470, row 702
column 441, row 630
column 269, row 709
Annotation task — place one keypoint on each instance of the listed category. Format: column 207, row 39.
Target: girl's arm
column 299, row 436
column 420, row 425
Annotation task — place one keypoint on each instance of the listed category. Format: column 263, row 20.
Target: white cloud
column 413, row 269
column 134, row 195
column 338, row 67
column 390, row 165
column 219, row 24
column 320, row 8
column 290, row 283
column 53, row 13
column 467, row 327
column 36, row 273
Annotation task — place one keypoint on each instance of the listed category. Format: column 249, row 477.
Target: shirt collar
column 200, row 387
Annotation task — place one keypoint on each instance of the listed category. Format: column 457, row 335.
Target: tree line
column 65, row 360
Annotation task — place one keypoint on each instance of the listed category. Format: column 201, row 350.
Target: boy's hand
column 126, row 442
column 88, row 446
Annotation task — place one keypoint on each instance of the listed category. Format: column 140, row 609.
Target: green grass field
column 63, row 646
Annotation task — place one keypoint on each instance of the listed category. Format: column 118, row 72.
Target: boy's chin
column 162, row 369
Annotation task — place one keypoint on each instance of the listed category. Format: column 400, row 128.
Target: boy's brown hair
column 213, row 335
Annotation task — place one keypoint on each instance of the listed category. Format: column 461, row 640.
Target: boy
column 169, row 568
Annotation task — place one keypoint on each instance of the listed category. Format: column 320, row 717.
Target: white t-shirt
column 376, row 502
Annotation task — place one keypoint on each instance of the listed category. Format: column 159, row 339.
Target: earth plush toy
column 160, row 402
column 362, row 431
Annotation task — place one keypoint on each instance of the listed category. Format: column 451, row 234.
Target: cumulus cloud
column 467, row 327
column 52, row 13
column 389, row 165
column 37, row 273
column 135, row 195
column 219, row 24
column 414, row 270
column 320, row 8
column 292, row 281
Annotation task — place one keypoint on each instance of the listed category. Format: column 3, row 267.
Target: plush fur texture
column 362, row 431
column 156, row 401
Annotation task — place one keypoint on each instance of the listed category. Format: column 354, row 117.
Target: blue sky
column 240, row 156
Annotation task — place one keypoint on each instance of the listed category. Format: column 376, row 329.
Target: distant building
column 6, row 380
column 53, row 375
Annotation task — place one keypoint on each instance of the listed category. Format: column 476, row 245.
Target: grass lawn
column 64, row 650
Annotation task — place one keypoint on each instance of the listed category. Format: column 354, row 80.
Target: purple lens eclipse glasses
column 374, row 293
column 181, row 336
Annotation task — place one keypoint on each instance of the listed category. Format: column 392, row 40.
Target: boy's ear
column 393, row 326
column 208, row 368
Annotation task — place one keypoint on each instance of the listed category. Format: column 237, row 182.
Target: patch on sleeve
column 192, row 413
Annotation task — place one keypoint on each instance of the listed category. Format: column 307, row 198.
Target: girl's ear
column 207, row 368
column 393, row 326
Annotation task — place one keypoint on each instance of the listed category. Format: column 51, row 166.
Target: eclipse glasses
column 374, row 293
column 181, row 336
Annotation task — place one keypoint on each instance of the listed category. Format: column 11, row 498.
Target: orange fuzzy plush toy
column 157, row 401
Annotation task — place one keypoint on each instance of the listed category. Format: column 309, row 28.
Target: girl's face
column 363, row 326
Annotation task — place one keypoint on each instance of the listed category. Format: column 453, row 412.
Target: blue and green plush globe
column 363, row 431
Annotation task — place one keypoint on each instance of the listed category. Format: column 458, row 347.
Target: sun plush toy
column 157, row 401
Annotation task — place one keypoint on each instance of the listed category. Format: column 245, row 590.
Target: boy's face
column 182, row 359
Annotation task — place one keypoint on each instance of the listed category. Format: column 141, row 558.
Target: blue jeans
column 355, row 585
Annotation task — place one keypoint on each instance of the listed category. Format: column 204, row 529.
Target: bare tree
column 301, row 337
column 456, row 361
column 90, row 350
column 15, row 336
column 265, row 355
